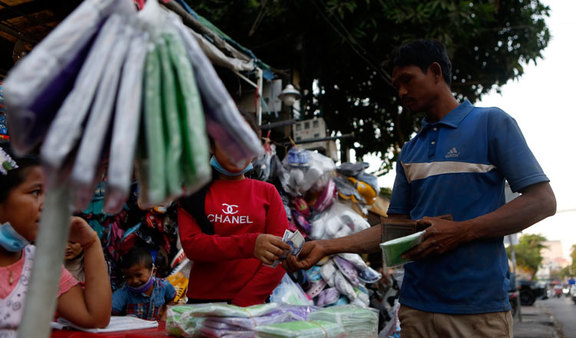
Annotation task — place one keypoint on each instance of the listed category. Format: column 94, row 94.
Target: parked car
column 530, row 291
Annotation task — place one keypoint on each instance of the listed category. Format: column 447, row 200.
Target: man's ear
column 436, row 70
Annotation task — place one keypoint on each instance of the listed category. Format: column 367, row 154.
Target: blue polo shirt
column 458, row 166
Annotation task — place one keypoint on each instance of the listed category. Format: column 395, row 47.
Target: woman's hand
column 81, row 232
column 268, row 248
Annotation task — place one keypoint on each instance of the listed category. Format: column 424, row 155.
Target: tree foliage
column 528, row 255
column 343, row 46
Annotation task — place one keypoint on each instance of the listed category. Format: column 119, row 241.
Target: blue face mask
column 216, row 165
column 10, row 240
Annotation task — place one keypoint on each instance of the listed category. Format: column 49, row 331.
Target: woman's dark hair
column 137, row 255
column 422, row 53
column 15, row 177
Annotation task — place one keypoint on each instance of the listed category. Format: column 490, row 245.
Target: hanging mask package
column 173, row 142
column 223, row 120
column 126, row 125
column 96, row 134
column 151, row 164
column 66, row 129
column 197, row 171
column 38, row 85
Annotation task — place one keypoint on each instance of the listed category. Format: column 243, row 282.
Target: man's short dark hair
column 423, row 53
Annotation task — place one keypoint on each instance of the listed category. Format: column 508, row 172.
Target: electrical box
column 309, row 129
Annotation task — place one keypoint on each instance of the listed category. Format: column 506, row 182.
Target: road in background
column 564, row 312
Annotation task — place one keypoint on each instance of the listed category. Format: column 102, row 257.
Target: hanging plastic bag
column 151, row 166
column 126, row 125
column 37, row 85
column 66, row 129
column 223, row 120
column 195, row 166
column 94, row 138
column 173, row 142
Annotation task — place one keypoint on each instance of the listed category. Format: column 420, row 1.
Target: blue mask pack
column 216, row 165
column 10, row 240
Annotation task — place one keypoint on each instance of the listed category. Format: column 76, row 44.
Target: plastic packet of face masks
column 66, row 129
column 357, row 321
column 392, row 250
column 36, row 87
column 195, row 167
column 173, row 142
column 301, row 329
column 126, row 125
column 225, row 310
column 151, row 166
column 223, row 120
column 90, row 153
column 180, row 323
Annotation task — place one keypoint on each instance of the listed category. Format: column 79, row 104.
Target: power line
column 349, row 39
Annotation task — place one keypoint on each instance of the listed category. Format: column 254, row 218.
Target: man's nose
column 402, row 91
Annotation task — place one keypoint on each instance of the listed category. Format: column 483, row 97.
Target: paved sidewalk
column 537, row 322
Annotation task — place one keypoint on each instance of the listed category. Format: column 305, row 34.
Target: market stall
column 66, row 95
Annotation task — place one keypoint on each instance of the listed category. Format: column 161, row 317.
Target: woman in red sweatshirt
column 239, row 231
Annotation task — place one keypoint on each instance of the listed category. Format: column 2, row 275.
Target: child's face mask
column 10, row 239
column 142, row 288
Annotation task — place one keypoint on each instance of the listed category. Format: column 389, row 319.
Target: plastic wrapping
column 36, row 87
column 126, row 126
column 180, row 323
column 195, row 167
column 301, row 329
column 219, row 319
column 67, row 127
column 289, row 292
column 94, row 138
column 173, row 150
column 338, row 221
column 223, row 120
column 392, row 250
column 355, row 320
column 226, row 310
column 151, row 165
column 305, row 170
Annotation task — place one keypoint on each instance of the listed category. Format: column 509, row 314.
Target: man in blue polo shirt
column 457, row 164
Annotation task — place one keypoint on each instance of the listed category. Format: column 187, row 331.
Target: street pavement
column 537, row 322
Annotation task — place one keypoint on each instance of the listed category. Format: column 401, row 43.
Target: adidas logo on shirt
column 452, row 153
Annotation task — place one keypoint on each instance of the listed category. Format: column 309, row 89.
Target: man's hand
column 440, row 237
column 269, row 248
column 311, row 253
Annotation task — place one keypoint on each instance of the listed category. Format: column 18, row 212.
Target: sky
column 540, row 101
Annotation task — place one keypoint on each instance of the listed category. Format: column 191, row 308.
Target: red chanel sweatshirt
column 224, row 266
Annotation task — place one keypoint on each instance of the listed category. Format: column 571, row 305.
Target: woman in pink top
column 21, row 202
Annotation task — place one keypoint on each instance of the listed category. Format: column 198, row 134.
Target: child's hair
column 137, row 255
column 15, row 177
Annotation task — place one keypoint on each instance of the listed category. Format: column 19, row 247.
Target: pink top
column 67, row 281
